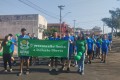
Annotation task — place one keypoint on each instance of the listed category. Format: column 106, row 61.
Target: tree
column 49, row 32
column 114, row 21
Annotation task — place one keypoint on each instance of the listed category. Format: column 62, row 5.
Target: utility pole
column 61, row 8
column 74, row 26
column 103, row 28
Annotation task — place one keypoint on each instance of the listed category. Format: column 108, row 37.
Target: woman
column 81, row 47
column 6, row 44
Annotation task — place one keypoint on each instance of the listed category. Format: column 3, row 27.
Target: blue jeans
column 81, row 63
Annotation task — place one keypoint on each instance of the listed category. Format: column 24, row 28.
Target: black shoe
column 27, row 72
column 14, row 63
column 89, row 62
column 104, row 61
column 19, row 74
column 82, row 72
column 68, row 69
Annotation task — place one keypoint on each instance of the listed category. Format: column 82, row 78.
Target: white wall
column 42, row 24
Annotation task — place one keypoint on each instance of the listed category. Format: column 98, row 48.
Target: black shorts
column 89, row 52
column 24, row 57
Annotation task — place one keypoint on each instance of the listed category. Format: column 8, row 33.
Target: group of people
column 91, row 46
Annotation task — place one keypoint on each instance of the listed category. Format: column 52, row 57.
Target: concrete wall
column 14, row 23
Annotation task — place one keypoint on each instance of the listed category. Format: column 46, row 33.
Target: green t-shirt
column 81, row 46
column 100, row 40
column 7, row 47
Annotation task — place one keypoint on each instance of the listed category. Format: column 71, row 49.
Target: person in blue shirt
column 105, row 47
column 24, row 58
column 98, row 47
column 54, row 60
column 69, row 38
column 110, row 40
column 90, row 48
column 94, row 48
column 33, row 59
column 12, row 48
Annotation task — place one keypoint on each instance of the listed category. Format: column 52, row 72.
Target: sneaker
column 50, row 69
column 11, row 70
column 49, row 65
column 89, row 62
column 20, row 74
column 62, row 68
column 27, row 72
column 82, row 72
column 104, row 61
column 56, row 69
column 14, row 63
column 5, row 71
column 76, row 65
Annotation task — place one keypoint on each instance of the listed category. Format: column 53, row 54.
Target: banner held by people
column 42, row 48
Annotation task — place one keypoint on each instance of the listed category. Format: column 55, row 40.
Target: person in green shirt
column 6, row 45
column 81, row 47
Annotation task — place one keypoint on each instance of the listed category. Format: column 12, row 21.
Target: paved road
column 94, row 71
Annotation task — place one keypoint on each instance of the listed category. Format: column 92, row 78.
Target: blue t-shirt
column 66, row 38
column 52, row 38
column 24, row 36
column 12, row 46
column 71, row 47
column 90, row 43
column 110, row 37
column 105, row 44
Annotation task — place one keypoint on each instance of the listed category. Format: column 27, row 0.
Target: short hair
column 10, row 35
column 23, row 29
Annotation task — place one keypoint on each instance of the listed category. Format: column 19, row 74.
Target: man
column 54, row 60
column 24, row 58
column 33, row 59
column 105, row 47
column 71, row 50
column 90, row 48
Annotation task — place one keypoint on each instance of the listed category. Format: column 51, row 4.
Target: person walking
column 24, row 58
column 81, row 47
column 7, row 52
column 105, row 47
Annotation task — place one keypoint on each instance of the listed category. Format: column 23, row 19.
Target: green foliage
column 114, row 21
column 50, row 32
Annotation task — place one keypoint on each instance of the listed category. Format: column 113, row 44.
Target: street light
column 74, row 26
column 66, row 14
column 61, row 8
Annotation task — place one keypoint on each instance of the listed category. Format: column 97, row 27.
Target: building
column 34, row 23
column 64, row 27
column 96, row 30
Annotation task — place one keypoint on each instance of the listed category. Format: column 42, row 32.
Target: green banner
column 43, row 48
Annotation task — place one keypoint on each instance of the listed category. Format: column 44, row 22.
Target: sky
column 87, row 13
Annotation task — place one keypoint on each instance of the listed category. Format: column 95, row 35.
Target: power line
column 44, row 9
column 38, row 8
column 13, row 4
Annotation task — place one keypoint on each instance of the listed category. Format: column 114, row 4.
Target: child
column 6, row 44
